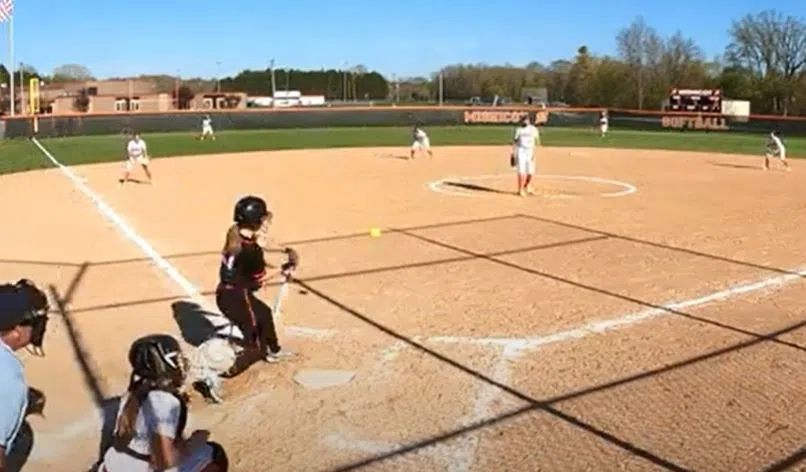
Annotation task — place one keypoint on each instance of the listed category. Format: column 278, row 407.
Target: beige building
column 129, row 96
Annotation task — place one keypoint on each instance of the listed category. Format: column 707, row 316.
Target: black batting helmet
column 250, row 210
column 157, row 357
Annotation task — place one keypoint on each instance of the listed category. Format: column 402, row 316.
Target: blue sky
column 405, row 38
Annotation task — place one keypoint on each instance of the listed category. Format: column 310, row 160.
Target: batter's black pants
column 254, row 319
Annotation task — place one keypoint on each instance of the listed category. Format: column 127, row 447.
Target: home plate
column 316, row 379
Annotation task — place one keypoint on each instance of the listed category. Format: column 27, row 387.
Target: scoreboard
column 690, row 100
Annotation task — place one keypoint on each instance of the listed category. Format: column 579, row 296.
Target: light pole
column 218, row 74
column 344, row 81
column 176, row 88
column 441, row 87
column 22, row 90
column 273, row 84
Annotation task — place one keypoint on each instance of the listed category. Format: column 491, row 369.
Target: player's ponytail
column 232, row 242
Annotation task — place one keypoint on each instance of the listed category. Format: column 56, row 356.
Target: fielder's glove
column 512, row 160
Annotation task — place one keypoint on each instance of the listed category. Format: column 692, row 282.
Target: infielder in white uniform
column 421, row 142
column 603, row 122
column 137, row 152
column 775, row 148
column 207, row 128
column 523, row 152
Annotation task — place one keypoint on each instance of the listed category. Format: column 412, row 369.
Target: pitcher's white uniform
column 421, row 141
column 207, row 126
column 525, row 139
column 138, row 153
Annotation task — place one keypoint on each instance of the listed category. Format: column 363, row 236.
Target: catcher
column 150, row 426
column 241, row 273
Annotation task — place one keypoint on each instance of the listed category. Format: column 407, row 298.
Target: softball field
column 642, row 312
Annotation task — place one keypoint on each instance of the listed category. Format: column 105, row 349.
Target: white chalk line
column 609, row 324
column 462, row 455
column 190, row 290
column 438, row 185
column 514, row 348
column 172, row 272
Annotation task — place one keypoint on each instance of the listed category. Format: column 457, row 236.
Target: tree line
column 764, row 62
column 357, row 83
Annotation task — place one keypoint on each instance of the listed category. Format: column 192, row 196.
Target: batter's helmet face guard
column 251, row 212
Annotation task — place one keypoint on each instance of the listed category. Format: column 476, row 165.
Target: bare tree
column 773, row 47
column 72, row 73
column 640, row 47
column 682, row 61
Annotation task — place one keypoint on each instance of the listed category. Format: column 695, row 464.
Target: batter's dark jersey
column 244, row 269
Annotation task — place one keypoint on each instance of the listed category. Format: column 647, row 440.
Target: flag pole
column 11, row 60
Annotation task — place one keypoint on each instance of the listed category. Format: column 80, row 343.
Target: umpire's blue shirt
column 13, row 396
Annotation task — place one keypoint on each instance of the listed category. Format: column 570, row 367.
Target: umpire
column 23, row 320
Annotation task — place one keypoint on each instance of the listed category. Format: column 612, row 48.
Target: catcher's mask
column 23, row 304
column 158, row 358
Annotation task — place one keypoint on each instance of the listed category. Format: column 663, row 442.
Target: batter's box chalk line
column 439, row 185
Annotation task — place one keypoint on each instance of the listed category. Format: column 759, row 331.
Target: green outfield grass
column 21, row 155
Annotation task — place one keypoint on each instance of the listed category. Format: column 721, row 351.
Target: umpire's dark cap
column 15, row 308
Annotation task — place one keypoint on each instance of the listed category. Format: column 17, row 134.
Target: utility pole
column 273, row 84
column 22, row 91
column 344, row 82
column 218, row 74
column 441, row 87
column 176, row 88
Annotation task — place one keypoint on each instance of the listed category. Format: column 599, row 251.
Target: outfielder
column 421, row 142
column 775, row 148
column 523, row 155
column 137, row 152
column 603, row 122
column 207, row 128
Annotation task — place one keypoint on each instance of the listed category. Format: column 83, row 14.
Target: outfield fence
column 78, row 124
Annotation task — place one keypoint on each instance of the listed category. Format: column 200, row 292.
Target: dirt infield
column 591, row 327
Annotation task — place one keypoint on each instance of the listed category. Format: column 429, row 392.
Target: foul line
column 190, row 290
column 437, row 185
column 463, row 453
column 629, row 319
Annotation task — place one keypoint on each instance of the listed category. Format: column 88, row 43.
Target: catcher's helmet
column 157, row 357
column 250, row 210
